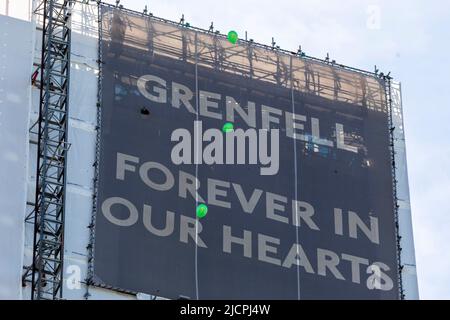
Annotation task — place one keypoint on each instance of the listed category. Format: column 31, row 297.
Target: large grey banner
column 290, row 157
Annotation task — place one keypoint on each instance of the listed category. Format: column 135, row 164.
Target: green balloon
column 202, row 210
column 228, row 127
column 232, row 37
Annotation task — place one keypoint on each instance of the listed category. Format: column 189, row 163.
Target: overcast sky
column 408, row 38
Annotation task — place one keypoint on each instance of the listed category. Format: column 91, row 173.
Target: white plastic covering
column 15, row 74
column 80, row 171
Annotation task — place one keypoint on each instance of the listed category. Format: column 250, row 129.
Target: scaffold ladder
column 48, row 245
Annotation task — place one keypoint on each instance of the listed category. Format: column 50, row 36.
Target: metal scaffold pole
column 392, row 128
column 48, row 245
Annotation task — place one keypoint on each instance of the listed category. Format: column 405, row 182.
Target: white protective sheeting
column 15, row 79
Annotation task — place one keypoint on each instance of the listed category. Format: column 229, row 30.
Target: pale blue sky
column 410, row 38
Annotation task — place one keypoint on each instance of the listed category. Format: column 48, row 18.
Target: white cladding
column 407, row 255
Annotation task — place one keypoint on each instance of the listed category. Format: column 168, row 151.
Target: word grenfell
column 212, row 104
column 213, row 153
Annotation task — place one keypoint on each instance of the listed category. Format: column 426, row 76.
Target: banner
column 290, row 157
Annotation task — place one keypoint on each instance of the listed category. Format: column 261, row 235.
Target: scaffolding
column 52, row 124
